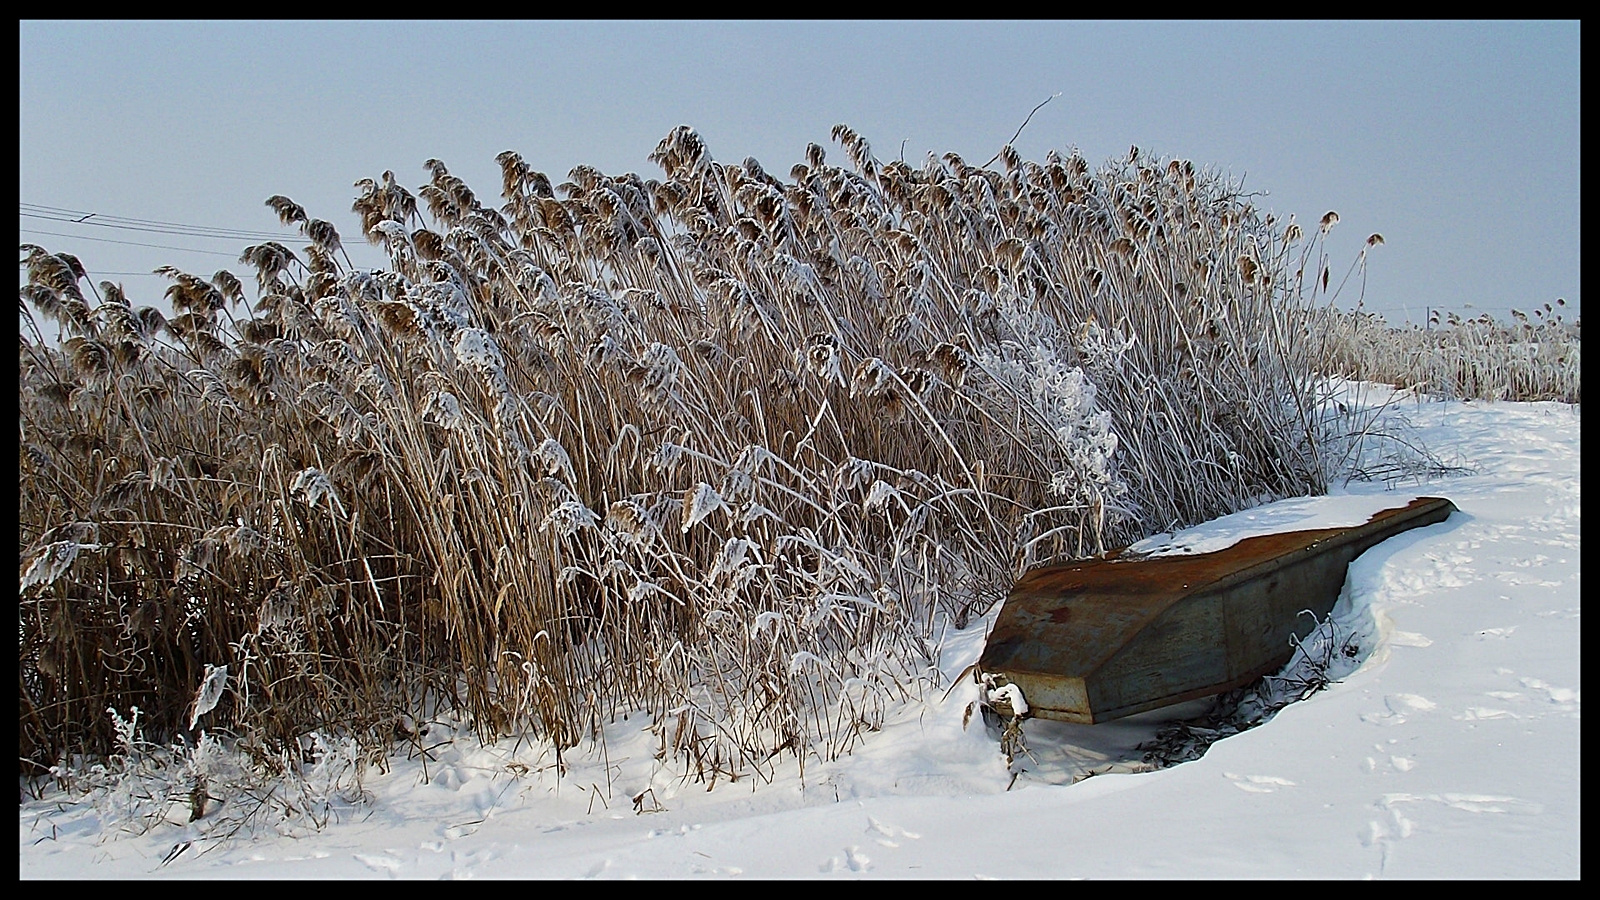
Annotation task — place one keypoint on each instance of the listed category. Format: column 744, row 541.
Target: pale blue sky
column 1458, row 141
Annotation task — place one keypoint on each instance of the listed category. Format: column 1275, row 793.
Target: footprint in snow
column 1473, row 803
column 1490, row 803
column 853, row 860
column 1557, row 694
column 1399, row 707
column 888, row 832
column 1258, row 784
column 1373, row 833
column 1380, row 832
column 1478, row 713
column 472, row 859
column 1401, row 704
column 378, row 863
column 1523, row 581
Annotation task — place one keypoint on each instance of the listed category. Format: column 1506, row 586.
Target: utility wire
column 102, row 220
column 87, row 214
column 127, row 274
column 81, row 237
column 155, row 230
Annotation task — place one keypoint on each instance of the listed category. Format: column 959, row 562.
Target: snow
column 1451, row 752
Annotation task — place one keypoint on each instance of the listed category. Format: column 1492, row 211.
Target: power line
column 106, row 220
column 82, row 237
column 86, row 214
column 98, row 272
column 235, row 236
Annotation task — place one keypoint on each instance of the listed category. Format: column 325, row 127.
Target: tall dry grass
column 1529, row 358
column 720, row 447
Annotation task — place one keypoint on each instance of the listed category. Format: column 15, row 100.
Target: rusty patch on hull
column 1102, row 638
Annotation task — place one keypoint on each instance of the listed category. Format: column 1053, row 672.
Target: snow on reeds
column 721, row 448
column 1480, row 358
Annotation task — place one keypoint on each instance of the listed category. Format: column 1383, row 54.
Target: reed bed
column 720, row 449
column 1529, row 358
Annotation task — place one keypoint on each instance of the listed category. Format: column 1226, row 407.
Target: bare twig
column 1022, row 126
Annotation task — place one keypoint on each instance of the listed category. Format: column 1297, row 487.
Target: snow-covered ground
column 1451, row 752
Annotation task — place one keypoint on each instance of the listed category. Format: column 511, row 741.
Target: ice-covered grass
column 1529, row 358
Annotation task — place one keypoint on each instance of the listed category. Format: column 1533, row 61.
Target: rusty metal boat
column 1102, row 638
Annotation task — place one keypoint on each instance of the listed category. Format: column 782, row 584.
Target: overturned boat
column 1102, row 638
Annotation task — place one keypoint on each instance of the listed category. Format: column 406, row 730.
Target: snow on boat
column 1102, row 638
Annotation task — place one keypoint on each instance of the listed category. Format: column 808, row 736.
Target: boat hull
column 1108, row 637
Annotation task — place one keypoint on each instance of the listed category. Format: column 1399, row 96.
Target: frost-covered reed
column 1528, row 358
column 718, row 448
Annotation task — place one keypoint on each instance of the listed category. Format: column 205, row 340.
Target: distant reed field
column 1529, row 358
